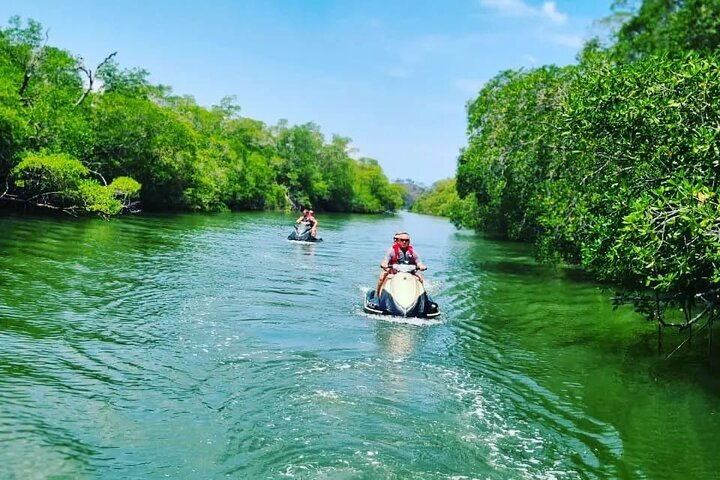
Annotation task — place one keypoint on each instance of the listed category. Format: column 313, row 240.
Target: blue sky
column 394, row 76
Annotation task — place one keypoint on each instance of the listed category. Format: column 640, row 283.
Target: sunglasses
column 403, row 239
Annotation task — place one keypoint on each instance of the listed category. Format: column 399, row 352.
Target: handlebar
column 409, row 268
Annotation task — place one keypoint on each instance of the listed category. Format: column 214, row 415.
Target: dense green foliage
column 66, row 130
column 613, row 163
column 671, row 27
column 443, row 200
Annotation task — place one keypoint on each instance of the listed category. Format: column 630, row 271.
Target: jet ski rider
column 400, row 252
column 309, row 216
column 304, row 216
column 313, row 223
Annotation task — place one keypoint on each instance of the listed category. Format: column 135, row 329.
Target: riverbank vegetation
column 611, row 164
column 443, row 200
column 104, row 139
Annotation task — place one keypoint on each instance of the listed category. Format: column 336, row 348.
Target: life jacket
column 409, row 253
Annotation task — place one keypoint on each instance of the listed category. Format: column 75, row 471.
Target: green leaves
column 124, row 187
column 47, row 172
column 443, row 200
column 669, row 27
column 512, row 124
column 59, row 136
column 674, row 232
column 372, row 192
column 61, row 182
column 611, row 164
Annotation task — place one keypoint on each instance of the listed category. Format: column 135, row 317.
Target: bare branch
column 99, row 175
column 708, row 307
column 43, row 194
column 91, row 78
column 685, row 341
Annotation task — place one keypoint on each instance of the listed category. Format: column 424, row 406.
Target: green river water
column 207, row 347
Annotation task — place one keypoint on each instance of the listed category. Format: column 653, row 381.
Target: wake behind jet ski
column 402, row 294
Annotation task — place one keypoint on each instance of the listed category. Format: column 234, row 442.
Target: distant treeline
column 613, row 163
column 82, row 138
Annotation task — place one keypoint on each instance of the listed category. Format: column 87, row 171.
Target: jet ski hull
column 402, row 295
column 301, row 233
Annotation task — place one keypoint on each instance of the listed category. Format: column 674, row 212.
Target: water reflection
column 303, row 249
column 396, row 339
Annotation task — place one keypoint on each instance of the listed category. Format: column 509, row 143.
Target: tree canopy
column 613, row 163
column 71, row 134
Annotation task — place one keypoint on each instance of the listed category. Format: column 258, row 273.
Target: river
column 208, row 346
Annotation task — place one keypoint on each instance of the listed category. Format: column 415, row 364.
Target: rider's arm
column 386, row 259
column 419, row 263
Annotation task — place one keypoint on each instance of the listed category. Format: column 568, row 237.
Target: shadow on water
column 515, row 268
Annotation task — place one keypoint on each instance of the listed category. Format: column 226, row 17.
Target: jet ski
column 402, row 294
column 302, row 233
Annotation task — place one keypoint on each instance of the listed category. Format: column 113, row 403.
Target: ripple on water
column 208, row 346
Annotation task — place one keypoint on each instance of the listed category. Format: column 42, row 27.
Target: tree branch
column 688, row 323
column 91, row 78
column 99, row 175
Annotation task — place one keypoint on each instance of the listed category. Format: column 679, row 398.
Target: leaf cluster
column 63, row 182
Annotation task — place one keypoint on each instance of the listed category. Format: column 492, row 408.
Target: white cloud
column 550, row 11
column 518, row 8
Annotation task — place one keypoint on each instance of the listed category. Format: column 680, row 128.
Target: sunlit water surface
column 211, row 347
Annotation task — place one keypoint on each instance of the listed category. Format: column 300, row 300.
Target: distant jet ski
column 402, row 294
column 301, row 233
